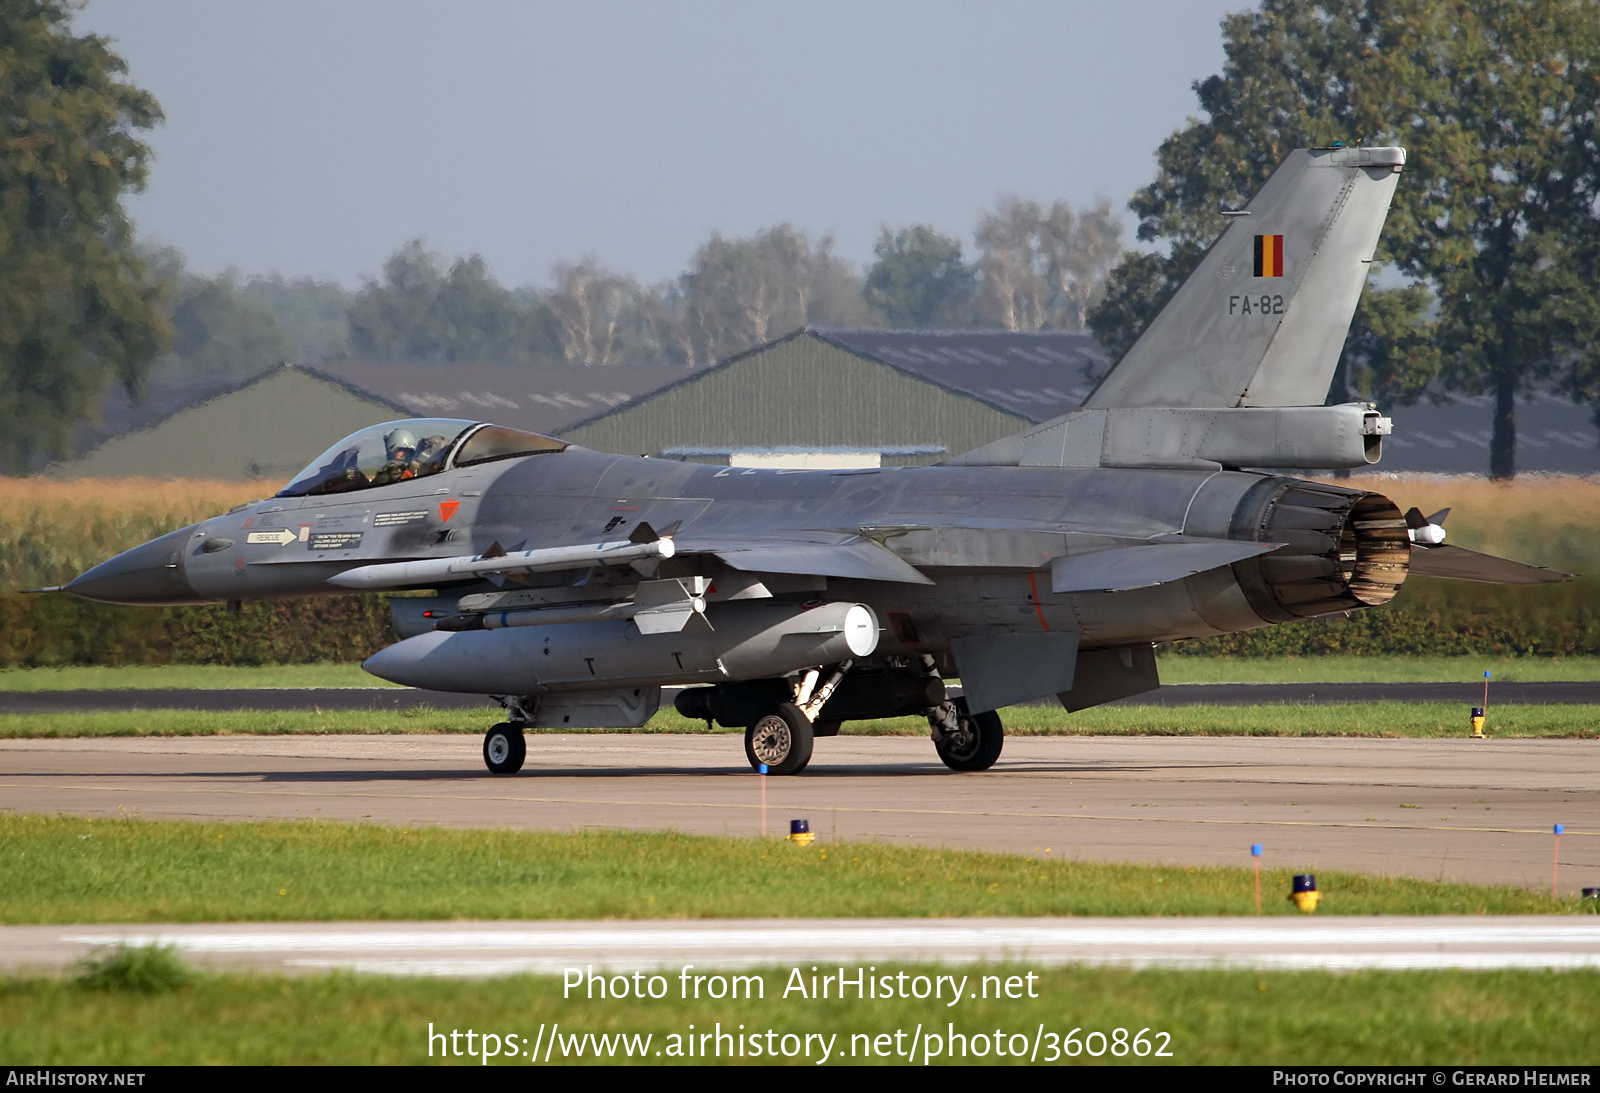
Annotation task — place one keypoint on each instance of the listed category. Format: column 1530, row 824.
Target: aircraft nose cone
column 149, row 575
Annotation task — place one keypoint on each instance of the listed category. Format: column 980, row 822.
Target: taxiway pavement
column 1456, row 809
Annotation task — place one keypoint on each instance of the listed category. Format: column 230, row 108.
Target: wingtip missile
column 1425, row 530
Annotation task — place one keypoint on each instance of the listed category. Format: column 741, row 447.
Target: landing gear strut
column 782, row 740
column 966, row 741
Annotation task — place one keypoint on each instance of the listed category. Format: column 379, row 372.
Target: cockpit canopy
column 399, row 450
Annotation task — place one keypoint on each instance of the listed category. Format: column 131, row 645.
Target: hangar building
column 821, row 396
column 275, row 423
column 827, row 396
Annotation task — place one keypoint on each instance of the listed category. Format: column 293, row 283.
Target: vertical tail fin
column 1262, row 319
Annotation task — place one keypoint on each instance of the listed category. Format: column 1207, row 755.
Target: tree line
column 1494, row 234
column 1492, row 248
column 1034, row 267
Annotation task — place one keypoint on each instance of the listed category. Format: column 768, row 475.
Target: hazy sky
column 316, row 137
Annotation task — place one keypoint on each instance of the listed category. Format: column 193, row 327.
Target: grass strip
column 1368, row 669
column 1174, row 669
column 420, row 719
column 65, row 869
column 1212, row 1017
column 1408, row 720
column 142, row 677
column 1420, row 720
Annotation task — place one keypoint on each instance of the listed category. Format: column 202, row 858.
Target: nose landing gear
column 504, row 748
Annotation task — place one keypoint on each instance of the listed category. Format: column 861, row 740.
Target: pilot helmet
column 396, row 439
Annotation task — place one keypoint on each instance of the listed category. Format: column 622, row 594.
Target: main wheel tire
column 976, row 743
column 504, row 748
column 782, row 740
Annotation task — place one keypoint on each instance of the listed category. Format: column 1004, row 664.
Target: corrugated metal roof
column 1451, row 436
column 539, row 398
column 1037, row 375
column 119, row 414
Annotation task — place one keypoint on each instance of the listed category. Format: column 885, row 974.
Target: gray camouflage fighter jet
column 574, row 585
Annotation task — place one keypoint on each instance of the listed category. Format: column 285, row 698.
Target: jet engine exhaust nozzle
column 1344, row 549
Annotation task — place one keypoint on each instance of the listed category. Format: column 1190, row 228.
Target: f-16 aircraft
column 573, row 585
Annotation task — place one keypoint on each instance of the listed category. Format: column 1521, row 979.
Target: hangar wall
column 802, row 392
column 267, row 429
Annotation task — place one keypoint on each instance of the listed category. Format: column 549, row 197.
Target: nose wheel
column 504, row 748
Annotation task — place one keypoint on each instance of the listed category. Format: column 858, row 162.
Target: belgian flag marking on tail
column 1269, row 256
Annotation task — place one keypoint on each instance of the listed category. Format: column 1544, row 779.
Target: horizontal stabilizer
column 854, row 557
column 1145, row 566
column 1460, row 564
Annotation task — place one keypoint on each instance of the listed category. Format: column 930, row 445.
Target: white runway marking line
column 1291, row 944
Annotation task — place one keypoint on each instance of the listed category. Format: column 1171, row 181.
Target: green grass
column 186, row 677
column 1174, row 669
column 1215, row 1017
column 1421, row 720
column 147, row 969
column 1361, row 669
column 420, row 719
column 1415, row 720
column 63, row 869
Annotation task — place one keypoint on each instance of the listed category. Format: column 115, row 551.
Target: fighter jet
column 573, row 585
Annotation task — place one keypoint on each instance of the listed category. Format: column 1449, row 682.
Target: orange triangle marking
column 447, row 509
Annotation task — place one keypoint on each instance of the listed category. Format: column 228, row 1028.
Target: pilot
column 430, row 455
column 401, row 446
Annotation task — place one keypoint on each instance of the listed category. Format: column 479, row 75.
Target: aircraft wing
column 1460, row 564
column 852, row 556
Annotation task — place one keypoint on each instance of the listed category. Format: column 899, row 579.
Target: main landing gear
column 966, row 741
column 504, row 748
column 782, row 740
